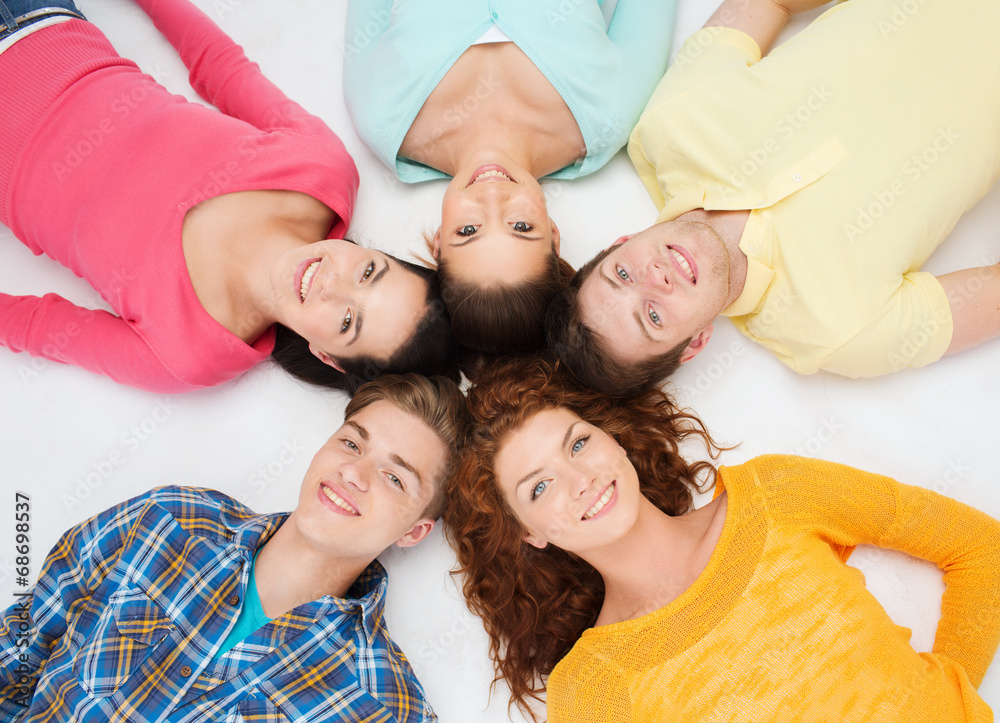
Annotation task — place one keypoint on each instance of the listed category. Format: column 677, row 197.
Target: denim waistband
column 11, row 23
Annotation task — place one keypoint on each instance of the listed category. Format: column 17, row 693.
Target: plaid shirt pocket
column 130, row 628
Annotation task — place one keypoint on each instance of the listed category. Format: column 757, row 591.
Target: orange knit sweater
column 778, row 628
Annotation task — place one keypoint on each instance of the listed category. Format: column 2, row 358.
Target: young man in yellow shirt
column 800, row 192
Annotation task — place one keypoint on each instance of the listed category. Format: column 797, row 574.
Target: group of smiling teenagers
column 567, row 477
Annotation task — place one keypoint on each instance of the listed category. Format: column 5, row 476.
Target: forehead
column 395, row 433
column 499, row 257
column 533, row 444
column 607, row 308
column 393, row 312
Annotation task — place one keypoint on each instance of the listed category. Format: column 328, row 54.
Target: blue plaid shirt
column 131, row 604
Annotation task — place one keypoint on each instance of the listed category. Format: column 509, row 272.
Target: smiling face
column 568, row 482
column 495, row 225
column 657, row 288
column 368, row 486
column 347, row 301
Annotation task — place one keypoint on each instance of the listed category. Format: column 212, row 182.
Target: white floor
column 78, row 443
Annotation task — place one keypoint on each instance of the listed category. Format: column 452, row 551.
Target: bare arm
column 762, row 20
column 974, row 296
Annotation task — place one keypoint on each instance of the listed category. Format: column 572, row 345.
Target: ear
column 421, row 528
column 535, row 541
column 436, row 244
column 556, row 238
column 324, row 357
column 623, row 239
column 697, row 344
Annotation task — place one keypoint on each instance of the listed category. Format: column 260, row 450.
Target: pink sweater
column 98, row 166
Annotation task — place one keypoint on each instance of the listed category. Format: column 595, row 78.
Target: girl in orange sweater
column 572, row 517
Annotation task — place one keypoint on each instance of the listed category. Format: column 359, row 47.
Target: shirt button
column 186, row 671
column 796, row 177
column 234, row 600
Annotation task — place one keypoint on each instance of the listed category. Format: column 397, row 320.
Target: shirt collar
column 758, row 279
column 753, row 242
column 365, row 597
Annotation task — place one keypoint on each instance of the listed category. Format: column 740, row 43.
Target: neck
column 291, row 572
column 656, row 561
column 729, row 226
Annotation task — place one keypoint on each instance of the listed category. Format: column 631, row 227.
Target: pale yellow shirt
column 857, row 145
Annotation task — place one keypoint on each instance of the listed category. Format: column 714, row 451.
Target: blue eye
column 654, row 317
column 622, row 273
column 467, row 230
column 539, row 488
column 580, row 444
column 522, row 227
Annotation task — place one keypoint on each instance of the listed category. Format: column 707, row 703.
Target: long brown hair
column 536, row 603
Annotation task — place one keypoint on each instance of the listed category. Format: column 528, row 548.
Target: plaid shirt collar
column 366, row 596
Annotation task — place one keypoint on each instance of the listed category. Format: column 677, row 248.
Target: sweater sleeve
column 53, row 328
column 221, row 73
column 642, row 31
column 850, row 507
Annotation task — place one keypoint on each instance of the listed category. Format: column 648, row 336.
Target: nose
column 355, row 474
column 657, row 277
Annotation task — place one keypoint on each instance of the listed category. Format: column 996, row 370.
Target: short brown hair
column 583, row 352
column 435, row 401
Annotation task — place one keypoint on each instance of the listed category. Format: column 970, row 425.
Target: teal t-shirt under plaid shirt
column 131, row 605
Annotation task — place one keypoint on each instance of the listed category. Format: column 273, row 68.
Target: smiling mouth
column 681, row 261
column 307, row 277
column 489, row 173
column 340, row 501
column 599, row 505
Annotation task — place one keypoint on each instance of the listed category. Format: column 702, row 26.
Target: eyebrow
column 638, row 320
column 566, row 438
column 362, row 432
column 476, row 236
column 361, row 315
column 637, row 315
column 409, row 468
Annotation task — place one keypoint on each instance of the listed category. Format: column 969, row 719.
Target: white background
column 253, row 438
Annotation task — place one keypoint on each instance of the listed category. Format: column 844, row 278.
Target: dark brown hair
column 499, row 318
column 535, row 603
column 435, row 401
column 585, row 354
column 431, row 348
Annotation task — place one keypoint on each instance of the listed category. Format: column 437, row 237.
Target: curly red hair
column 535, row 603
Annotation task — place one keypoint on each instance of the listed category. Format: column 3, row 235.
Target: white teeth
column 599, row 505
column 492, row 174
column 684, row 264
column 306, row 278
column 338, row 501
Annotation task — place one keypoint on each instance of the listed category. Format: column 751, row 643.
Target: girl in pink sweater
column 216, row 237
